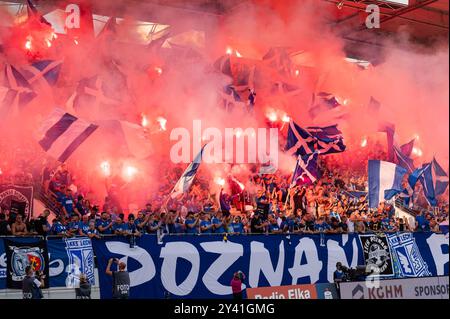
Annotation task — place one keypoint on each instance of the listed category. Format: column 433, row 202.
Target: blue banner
column 2, row 265
column 69, row 258
column 203, row 266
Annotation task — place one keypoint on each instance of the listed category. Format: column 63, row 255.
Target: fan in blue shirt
column 321, row 225
column 74, row 225
column 218, row 223
column 238, row 227
column 205, row 225
column 84, row 226
column 119, row 227
column 104, row 225
column 191, row 224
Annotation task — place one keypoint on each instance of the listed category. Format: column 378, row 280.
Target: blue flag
column 15, row 92
column 306, row 167
column 407, row 148
column 299, row 141
column 231, row 98
column 185, row 181
column 440, row 178
column 327, row 107
column 46, row 69
column 434, row 181
column 385, row 180
column 402, row 159
column 389, row 129
column 329, row 139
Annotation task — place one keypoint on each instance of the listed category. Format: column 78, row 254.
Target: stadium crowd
column 267, row 205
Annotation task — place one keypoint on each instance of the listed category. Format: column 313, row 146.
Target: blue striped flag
column 385, row 178
column 185, row 181
column 63, row 133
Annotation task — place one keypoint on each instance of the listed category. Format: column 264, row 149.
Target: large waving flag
column 231, row 98
column 133, row 136
column 329, row 139
column 326, row 108
column 389, row 129
column 33, row 12
column 306, row 167
column 185, row 181
column 279, row 59
column 434, row 180
column 384, row 178
column 223, row 65
column 15, row 92
column 63, row 133
column 402, row 159
column 408, row 147
column 47, row 70
column 299, row 141
column 93, row 94
column 440, row 178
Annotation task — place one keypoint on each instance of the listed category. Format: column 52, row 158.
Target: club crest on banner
column 22, row 257
column 22, row 194
column 377, row 254
column 81, row 260
column 407, row 257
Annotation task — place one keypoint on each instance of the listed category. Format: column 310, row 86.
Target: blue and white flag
column 279, row 59
column 299, row 141
column 329, row 139
column 389, row 129
column 33, row 12
column 408, row 147
column 15, row 92
column 223, row 65
column 47, row 70
column 306, row 166
column 402, row 159
column 440, row 178
column 231, row 98
column 383, row 176
column 185, row 181
column 434, row 181
column 327, row 108
column 69, row 258
column 63, row 133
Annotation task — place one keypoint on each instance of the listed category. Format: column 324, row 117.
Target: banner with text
column 203, row 266
column 69, row 258
column 411, row 288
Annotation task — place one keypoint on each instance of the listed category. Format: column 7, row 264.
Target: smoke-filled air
column 135, row 81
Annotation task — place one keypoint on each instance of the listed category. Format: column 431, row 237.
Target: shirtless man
column 19, row 228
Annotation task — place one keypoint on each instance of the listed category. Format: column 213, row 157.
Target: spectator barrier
column 192, row 266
